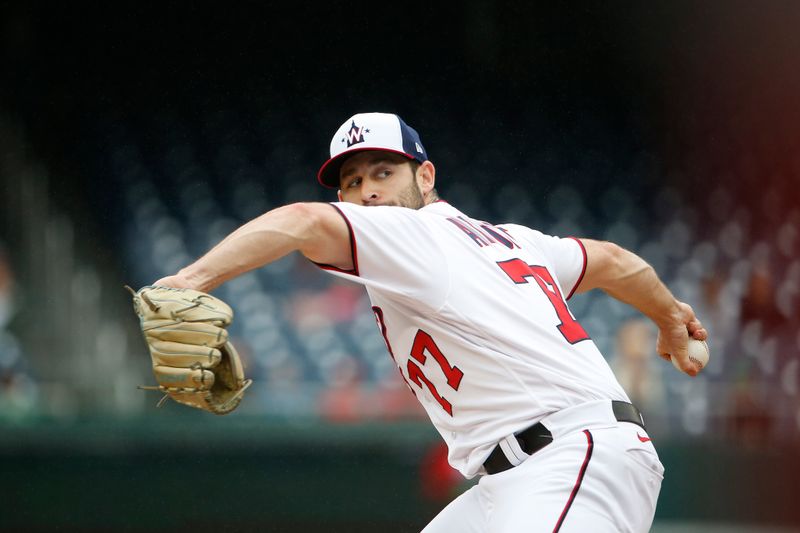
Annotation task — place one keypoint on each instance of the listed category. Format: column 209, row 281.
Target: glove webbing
column 164, row 398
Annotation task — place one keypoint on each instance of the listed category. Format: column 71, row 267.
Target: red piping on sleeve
column 583, row 270
column 353, row 249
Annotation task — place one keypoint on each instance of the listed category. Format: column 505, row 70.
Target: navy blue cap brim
column 328, row 175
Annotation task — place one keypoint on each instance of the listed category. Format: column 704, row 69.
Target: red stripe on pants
column 578, row 482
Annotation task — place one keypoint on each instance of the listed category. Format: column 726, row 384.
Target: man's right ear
column 339, row 195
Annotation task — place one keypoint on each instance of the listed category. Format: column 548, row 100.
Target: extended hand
column 673, row 337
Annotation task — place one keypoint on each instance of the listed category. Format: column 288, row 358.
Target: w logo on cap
column 355, row 135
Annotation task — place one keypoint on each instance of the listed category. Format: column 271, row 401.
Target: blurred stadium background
column 133, row 139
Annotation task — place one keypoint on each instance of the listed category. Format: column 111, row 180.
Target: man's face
column 379, row 178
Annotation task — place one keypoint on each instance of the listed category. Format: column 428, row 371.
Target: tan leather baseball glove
column 193, row 361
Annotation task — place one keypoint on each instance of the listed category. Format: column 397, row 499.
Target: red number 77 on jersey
column 423, row 342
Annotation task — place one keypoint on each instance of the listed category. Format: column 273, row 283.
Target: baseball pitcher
column 475, row 317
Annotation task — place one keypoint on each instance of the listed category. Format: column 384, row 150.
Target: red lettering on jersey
column 519, row 272
column 480, row 238
column 506, row 239
column 484, row 233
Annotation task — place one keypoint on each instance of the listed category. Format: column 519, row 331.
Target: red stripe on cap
column 334, row 184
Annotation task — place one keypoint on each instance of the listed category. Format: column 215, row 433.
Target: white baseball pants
column 597, row 475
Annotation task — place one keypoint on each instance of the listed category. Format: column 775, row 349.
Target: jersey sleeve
column 394, row 250
column 567, row 256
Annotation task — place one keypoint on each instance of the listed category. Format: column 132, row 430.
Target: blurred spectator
column 759, row 302
column 18, row 392
column 396, row 401
column 750, row 422
column 638, row 368
column 751, row 418
column 338, row 302
column 345, row 399
column 350, row 397
column 6, row 289
column 439, row 482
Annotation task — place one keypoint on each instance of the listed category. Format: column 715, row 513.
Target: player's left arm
column 630, row 279
column 317, row 230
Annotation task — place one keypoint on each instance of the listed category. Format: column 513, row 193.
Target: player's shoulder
column 440, row 208
column 445, row 211
column 521, row 230
column 537, row 239
column 380, row 211
column 384, row 218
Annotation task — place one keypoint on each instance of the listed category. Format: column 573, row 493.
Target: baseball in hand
column 698, row 354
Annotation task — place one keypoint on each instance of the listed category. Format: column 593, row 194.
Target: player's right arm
column 317, row 230
column 630, row 279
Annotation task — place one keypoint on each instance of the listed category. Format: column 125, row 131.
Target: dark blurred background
column 133, row 138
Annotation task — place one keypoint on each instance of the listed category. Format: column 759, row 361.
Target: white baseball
column 698, row 354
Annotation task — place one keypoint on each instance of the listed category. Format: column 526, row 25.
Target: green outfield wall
column 202, row 473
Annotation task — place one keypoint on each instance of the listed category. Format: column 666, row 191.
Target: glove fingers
column 183, row 304
column 181, row 355
column 199, row 333
column 183, row 378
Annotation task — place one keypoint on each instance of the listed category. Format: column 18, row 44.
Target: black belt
column 537, row 436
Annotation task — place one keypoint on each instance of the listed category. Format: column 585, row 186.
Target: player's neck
column 431, row 197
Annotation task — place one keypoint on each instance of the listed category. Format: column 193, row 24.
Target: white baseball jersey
column 475, row 318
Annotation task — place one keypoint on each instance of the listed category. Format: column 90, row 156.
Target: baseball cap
column 370, row 131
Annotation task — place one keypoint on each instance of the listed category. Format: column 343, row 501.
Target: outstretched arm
column 630, row 279
column 317, row 230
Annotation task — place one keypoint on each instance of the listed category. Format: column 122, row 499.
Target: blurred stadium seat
column 223, row 169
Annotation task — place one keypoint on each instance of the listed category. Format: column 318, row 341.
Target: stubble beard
column 411, row 197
